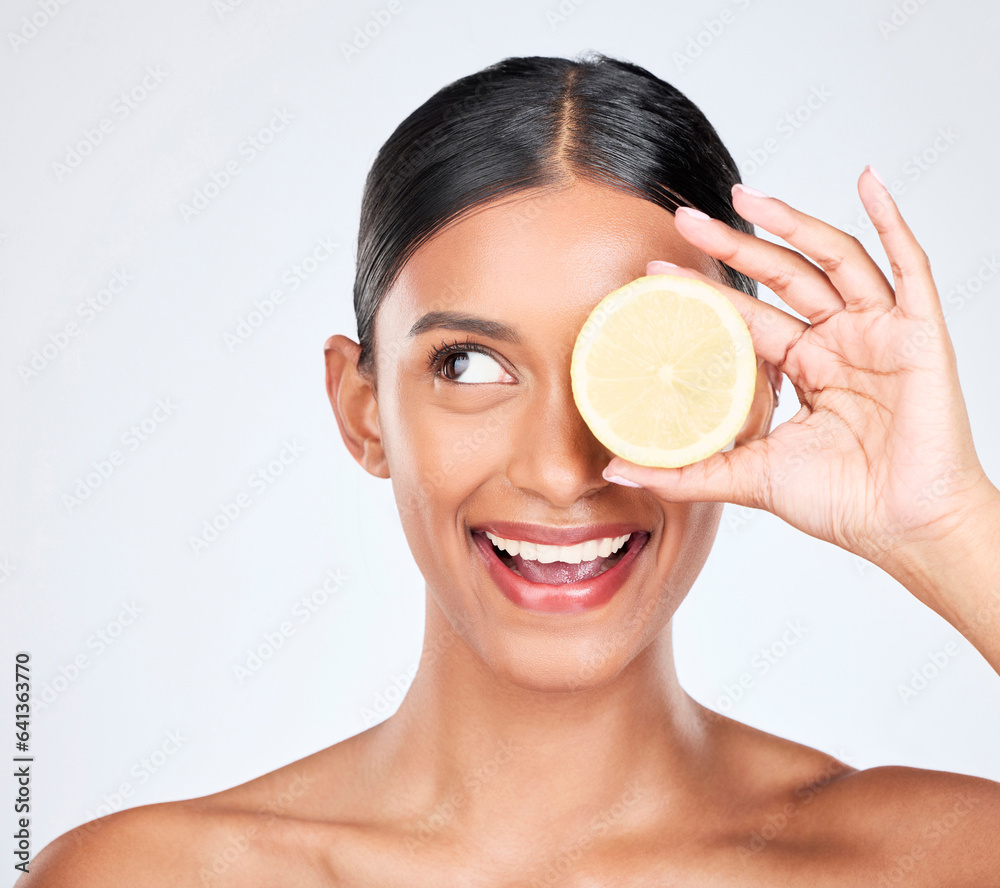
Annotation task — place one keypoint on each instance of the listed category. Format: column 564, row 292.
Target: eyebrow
column 456, row 320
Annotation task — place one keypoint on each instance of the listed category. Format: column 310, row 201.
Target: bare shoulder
column 901, row 825
column 769, row 767
column 894, row 825
column 269, row 829
column 149, row 843
column 943, row 815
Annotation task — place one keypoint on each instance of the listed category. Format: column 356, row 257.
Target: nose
column 554, row 454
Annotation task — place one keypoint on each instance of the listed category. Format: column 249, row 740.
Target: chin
column 566, row 671
column 568, row 658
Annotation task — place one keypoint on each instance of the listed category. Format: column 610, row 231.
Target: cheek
column 698, row 523
column 688, row 537
column 443, row 459
column 438, row 457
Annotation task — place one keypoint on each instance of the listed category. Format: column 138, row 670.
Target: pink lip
column 557, row 536
column 564, row 598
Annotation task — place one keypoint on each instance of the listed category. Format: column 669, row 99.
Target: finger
column 855, row 275
column 916, row 293
column 774, row 332
column 730, row 476
column 785, row 272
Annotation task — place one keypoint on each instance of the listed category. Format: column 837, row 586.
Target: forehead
column 542, row 256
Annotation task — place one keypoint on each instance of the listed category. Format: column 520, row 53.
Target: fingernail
column 878, row 178
column 659, row 263
column 749, row 189
column 693, row 213
column 618, row 479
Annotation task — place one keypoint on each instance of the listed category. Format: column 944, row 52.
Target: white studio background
column 262, row 99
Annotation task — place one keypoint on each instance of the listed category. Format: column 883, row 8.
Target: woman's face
column 491, row 435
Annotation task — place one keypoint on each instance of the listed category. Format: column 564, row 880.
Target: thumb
column 730, row 476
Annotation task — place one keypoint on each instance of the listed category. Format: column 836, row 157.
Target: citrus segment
column 664, row 371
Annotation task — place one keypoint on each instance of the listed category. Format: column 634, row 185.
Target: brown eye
column 454, row 365
column 472, row 366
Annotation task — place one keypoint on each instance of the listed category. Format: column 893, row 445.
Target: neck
column 467, row 743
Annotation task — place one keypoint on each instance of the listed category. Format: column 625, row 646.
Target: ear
column 352, row 396
column 765, row 399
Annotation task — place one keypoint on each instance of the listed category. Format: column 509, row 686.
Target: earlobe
column 765, row 400
column 352, row 397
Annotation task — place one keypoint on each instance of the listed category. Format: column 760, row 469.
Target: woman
column 545, row 739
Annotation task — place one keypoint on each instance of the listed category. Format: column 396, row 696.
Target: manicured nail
column 618, row 479
column 749, row 189
column 693, row 213
column 659, row 263
column 878, row 178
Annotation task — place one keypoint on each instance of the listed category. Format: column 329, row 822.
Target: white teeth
column 546, row 554
column 586, row 551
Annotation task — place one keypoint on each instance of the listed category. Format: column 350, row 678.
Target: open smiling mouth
column 593, row 562
column 560, row 579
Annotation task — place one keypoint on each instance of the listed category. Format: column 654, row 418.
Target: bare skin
column 538, row 749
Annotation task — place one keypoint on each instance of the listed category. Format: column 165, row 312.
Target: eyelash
column 437, row 357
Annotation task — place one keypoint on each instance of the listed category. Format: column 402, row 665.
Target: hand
column 879, row 456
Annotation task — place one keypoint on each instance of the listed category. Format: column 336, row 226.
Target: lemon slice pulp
column 664, row 371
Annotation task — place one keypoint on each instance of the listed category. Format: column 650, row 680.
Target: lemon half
column 664, row 371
